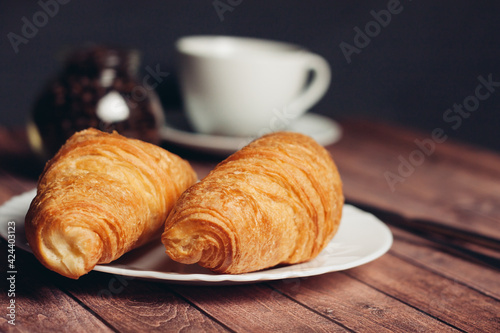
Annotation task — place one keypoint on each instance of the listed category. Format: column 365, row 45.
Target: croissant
column 100, row 196
column 277, row 201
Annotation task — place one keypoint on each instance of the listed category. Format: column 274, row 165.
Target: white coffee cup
column 241, row 86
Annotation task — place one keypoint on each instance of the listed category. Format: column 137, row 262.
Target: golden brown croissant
column 99, row 197
column 277, row 201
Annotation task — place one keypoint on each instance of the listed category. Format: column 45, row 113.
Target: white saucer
column 177, row 131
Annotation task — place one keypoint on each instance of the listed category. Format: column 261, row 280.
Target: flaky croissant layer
column 99, row 197
column 277, row 201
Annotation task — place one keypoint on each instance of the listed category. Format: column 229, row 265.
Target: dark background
column 426, row 59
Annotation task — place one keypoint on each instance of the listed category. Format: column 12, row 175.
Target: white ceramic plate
column 361, row 238
column 177, row 131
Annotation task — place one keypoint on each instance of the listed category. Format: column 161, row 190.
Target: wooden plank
column 132, row 305
column 16, row 156
column 256, row 308
column 39, row 305
column 8, row 188
column 11, row 186
column 453, row 185
column 19, row 168
column 358, row 306
column 431, row 256
column 101, row 301
column 414, row 287
column 448, row 300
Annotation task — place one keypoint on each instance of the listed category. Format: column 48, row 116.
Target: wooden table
column 424, row 283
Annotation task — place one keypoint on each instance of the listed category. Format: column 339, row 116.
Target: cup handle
column 316, row 88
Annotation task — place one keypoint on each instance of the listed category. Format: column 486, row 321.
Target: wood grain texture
column 11, row 186
column 434, row 258
column 40, row 305
column 131, row 305
column 97, row 303
column 257, row 308
column 417, row 286
column 450, row 301
column 358, row 306
column 456, row 184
